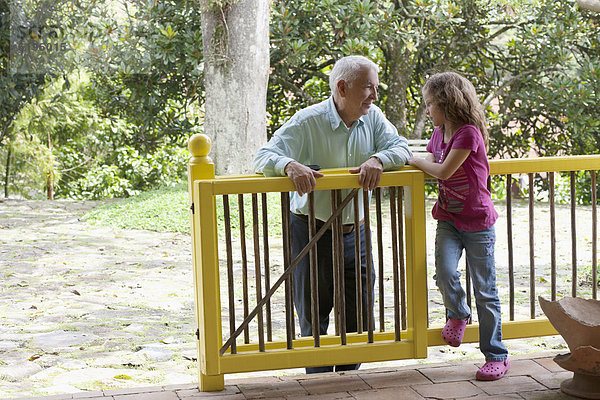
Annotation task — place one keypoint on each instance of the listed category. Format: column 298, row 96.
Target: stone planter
column 578, row 322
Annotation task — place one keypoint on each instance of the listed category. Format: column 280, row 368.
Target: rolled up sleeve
column 391, row 149
column 272, row 158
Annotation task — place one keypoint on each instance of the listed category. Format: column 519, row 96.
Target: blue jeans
column 301, row 283
column 479, row 247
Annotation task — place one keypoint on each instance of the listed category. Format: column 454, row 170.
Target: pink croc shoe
column 454, row 331
column 493, row 370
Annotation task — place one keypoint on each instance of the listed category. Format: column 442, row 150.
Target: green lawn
column 167, row 210
column 161, row 210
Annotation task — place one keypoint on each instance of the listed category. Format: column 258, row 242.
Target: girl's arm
column 444, row 170
column 429, row 157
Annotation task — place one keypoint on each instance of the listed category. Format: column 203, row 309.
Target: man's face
column 361, row 93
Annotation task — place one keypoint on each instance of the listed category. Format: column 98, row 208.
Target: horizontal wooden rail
column 284, row 358
column 333, row 179
column 544, row 164
column 336, row 178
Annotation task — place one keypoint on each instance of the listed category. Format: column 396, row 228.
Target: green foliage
column 562, row 187
column 123, row 130
column 49, row 118
column 148, row 70
column 63, row 132
column 126, row 172
column 16, row 88
column 586, row 276
column 37, row 43
column 552, row 106
column 30, row 161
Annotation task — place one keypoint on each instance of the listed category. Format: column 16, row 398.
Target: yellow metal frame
column 248, row 358
column 204, row 187
column 544, row 164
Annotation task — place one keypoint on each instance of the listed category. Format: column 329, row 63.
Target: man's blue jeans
column 479, row 247
column 301, row 279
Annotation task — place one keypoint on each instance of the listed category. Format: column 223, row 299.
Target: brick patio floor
column 529, row 378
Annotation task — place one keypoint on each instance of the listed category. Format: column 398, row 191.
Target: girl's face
column 435, row 113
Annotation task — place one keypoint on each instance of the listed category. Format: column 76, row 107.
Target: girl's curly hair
column 456, row 95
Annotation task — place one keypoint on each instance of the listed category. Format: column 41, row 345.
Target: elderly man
column 346, row 130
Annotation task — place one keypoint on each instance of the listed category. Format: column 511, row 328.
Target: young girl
column 465, row 214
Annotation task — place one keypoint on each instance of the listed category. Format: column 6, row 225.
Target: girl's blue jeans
column 479, row 248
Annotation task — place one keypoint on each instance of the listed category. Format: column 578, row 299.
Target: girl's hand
column 444, row 170
column 416, row 160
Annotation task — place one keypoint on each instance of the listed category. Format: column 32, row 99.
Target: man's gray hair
column 347, row 69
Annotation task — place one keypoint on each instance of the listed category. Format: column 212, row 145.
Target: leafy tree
column 64, row 132
column 124, row 132
column 534, row 63
column 36, row 38
column 147, row 63
column 34, row 42
column 16, row 87
column 407, row 38
column 549, row 103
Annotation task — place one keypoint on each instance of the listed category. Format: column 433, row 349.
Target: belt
column 346, row 228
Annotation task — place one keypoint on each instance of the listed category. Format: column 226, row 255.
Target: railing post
column 416, row 268
column 205, row 264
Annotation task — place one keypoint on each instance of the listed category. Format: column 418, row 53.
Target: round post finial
column 199, row 146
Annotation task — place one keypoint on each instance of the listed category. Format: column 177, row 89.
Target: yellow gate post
column 416, row 258
column 205, row 264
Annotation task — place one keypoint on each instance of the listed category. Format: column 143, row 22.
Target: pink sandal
column 454, row 331
column 493, row 370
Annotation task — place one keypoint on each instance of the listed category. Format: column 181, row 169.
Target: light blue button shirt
column 317, row 135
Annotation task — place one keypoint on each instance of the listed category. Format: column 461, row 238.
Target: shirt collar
column 334, row 117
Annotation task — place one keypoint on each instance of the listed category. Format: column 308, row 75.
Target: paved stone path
column 90, row 308
column 534, row 379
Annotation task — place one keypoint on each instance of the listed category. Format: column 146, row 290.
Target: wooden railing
column 243, row 266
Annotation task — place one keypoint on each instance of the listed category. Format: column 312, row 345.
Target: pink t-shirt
column 464, row 198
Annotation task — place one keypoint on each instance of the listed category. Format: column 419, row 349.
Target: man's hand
column 304, row 178
column 370, row 173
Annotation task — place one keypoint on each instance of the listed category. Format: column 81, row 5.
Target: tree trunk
column 50, row 174
column 7, row 172
column 593, row 5
column 399, row 79
column 49, row 186
column 420, row 121
column 236, row 52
